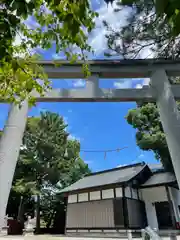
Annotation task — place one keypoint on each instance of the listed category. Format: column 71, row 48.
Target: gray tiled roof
column 160, row 178
column 112, row 176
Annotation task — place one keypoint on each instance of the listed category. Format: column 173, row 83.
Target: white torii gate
column 160, row 91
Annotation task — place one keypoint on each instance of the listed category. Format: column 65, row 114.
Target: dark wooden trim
column 97, row 188
column 65, row 199
column 125, row 210
column 89, row 197
column 158, row 185
column 101, row 195
column 123, row 191
column 97, row 200
column 173, row 218
column 131, row 191
column 114, row 191
column 139, row 200
column 77, row 197
column 126, row 215
column 106, row 199
column 118, row 212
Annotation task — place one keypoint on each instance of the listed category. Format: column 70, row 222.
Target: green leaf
column 161, row 6
column 176, row 28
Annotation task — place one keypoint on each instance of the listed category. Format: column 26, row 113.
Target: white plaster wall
column 155, row 194
column 107, row 193
column 128, row 192
column 134, row 193
column 96, row 195
column 175, row 198
column 72, row 198
column 118, row 192
column 140, row 194
column 150, row 196
column 96, row 230
column 82, row 230
column 82, row 197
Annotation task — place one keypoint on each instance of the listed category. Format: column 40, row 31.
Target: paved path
column 60, row 237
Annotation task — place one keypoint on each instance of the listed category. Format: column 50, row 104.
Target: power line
column 103, row 151
column 81, row 150
column 111, row 150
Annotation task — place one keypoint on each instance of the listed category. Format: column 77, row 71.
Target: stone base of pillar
column 4, row 232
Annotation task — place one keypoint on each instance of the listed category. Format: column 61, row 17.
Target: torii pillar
column 10, row 144
column 169, row 116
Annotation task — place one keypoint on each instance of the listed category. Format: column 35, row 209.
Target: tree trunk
column 21, row 210
column 50, row 219
column 38, row 214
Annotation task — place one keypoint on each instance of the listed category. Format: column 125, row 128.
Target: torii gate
column 160, row 91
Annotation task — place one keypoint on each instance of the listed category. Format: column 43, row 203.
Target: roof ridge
column 117, row 168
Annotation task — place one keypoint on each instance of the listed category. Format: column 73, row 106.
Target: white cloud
column 70, row 111
column 121, row 165
column 130, row 83
column 59, row 56
column 115, row 20
column 79, row 83
column 97, row 38
column 127, row 83
column 146, row 53
column 138, row 86
column 73, row 137
column 141, row 155
column 18, row 40
column 88, row 162
column 146, row 81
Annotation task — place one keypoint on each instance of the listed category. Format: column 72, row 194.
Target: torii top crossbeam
column 110, row 69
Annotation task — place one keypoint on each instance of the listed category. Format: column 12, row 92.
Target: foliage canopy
column 62, row 23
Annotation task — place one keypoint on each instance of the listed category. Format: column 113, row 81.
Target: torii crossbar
column 160, row 91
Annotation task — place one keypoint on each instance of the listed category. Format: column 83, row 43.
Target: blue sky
column 98, row 126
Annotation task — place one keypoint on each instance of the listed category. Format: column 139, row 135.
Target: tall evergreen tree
column 47, row 157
